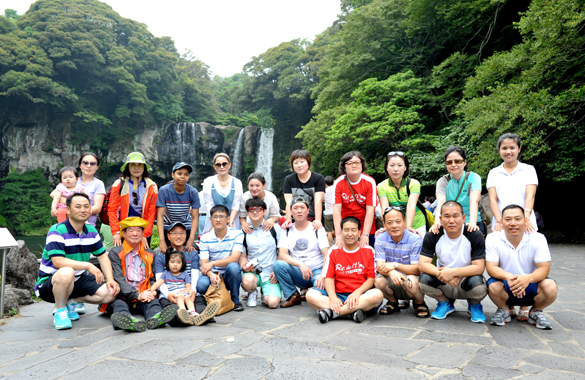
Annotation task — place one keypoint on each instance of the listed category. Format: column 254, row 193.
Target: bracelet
column 368, row 235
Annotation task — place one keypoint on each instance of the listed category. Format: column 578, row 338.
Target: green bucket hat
column 135, row 157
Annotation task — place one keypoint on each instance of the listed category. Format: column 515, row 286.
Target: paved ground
column 292, row 344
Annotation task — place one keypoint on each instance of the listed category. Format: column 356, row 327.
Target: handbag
column 377, row 220
column 220, row 293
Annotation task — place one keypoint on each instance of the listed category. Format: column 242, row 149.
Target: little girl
column 68, row 186
column 178, row 281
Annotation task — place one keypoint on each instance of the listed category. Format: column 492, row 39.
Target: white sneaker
column 252, row 299
column 80, row 308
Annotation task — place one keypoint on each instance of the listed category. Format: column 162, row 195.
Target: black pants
column 148, row 309
column 200, row 305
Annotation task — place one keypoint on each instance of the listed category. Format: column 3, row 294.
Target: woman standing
column 223, row 189
column 88, row 165
column 257, row 189
column 133, row 195
column 394, row 192
column 307, row 183
column 354, row 194
column 460, row 186
column 513, row 182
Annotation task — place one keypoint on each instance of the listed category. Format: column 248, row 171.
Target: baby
column 68, row 186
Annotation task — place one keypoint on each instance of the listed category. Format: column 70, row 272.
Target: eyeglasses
column 457, row 162
column 397, row 153
column 89, row 163
column 177, row 233
column 135, row 198
column 353, row 163
column 221, row 164
column 219, row 217
column 255, row 209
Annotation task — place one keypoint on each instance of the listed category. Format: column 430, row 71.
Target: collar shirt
column 261, row 245
column 212, row 248
column 533, row 248
column 135, row 272
column 406, row 251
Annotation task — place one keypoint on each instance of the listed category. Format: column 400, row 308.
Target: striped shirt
column 173, row 282
column 212, row 248
column 177, row 206
column 406, row 251
column 399, row 197
column 135, row 271
column 64, row 241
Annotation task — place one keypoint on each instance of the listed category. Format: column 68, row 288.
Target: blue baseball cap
column 181, row 165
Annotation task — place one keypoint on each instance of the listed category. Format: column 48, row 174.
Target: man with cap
column 66, row 276
column 132, row 265
column 302, row 252
column 133, row 195
column 178, row 202
column 177, row 236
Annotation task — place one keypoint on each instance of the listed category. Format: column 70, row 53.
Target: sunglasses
column 135, row 198
column 397, row 153
column 457, row 162
column 221, row 164
column 397, row 208
column 89, row 163
column 255, row 209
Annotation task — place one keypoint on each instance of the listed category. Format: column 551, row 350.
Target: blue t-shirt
column 177, row 206
column 175, row 282
column 191, row 260
column 450, row 189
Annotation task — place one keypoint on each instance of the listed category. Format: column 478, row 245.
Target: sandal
column 422, row 310
column 513, row 313
column 389, row 308
column 523, row 315
column 403, row 304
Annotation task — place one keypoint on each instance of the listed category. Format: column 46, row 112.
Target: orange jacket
column 120, row 200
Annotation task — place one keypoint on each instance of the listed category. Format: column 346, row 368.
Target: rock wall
column 37, row 143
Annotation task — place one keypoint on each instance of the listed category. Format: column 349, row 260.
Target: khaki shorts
column 329, row 227
column 398, row 290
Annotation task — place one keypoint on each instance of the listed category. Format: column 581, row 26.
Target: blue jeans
column 289, row 277
column 232, row 278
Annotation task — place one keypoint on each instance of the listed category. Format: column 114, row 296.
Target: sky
column 225, row 34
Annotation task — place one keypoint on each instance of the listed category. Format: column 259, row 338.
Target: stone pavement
column 292, row 344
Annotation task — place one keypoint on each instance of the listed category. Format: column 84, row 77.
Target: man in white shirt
column 302, row 251
column 519, row 264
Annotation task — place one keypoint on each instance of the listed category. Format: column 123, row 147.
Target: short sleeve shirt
column 406, row 251
column 272, row 207
column 262, row 246
column 64, row 241
column 511, row 188
column 450, row 188
column 316, row 183
column 92, row 188
column 532, row 249
column 177, row 206
column 365, row 193
column 399, row 197
column 173, row 282
column 350, row 269
column 328, row 198
column 304, row 245
column 212, row 248
column 454, row 253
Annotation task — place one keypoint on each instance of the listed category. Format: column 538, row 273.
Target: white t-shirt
column 272, row 207
column 522, row 260
column 454, row 253
column 329, row 200
column 304, row 245
column 511, row 188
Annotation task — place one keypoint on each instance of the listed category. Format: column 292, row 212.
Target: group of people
column 334, row 258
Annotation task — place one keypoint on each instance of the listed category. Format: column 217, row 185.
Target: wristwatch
column 396, row 265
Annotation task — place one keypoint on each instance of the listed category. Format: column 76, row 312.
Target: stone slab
column 32, row 360
column 360, row 342
column 280, row 347
column 202, row 359
column 444, row 355
column 512, row 335
column 558, row 363
column 489, row 373
column 124, row 370
column 372, row 357
column 84, row 340
column 502, row 357
column 161, row 350
column 383, row 331
column 222, row 347
column 444, row 337
column 569, row 319
column 247, row 367
column 314, row 331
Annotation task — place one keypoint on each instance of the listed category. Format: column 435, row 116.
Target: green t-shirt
column 399, row 197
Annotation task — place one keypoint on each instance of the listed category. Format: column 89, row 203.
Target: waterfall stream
column 264, row 155
column 237, row 159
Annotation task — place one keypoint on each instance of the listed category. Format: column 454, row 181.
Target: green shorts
column 268, row 289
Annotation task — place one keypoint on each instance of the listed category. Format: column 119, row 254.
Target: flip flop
column 523, row 315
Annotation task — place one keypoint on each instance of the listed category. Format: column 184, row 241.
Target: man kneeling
column 349, row 280
column 519, row 264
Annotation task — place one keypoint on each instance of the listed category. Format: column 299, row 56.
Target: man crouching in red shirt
column 349, row 279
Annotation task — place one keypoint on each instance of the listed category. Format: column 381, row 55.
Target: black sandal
column 403, row 304
column 389, row 308
column 422, row 310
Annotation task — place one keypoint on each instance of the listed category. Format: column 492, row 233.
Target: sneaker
column 500, row 317
column 443, row 309
column 536, row 317
column 185, row 317
column 324, row 315
column 123, row 321
column 239, row 307
column 358, row 316
column 476, row 312
column 71, row 313
column 165, row 316
column 61, row 319
column 193, row 313
column 210, row 311
column 80, row 308
column 252, row 299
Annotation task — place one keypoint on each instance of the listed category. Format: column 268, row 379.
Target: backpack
column 104, row 212
column 272, row 232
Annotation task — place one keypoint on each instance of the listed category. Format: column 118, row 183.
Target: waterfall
column 185, row 139
column 264, row 155
column 237, row 159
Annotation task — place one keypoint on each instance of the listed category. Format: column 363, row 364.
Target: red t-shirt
column 365, row 192
column 350, row 269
